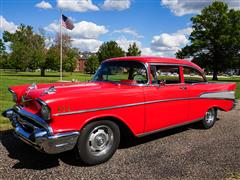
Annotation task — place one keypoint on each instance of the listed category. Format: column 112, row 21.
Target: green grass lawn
column 11, row 78
column 230, row 79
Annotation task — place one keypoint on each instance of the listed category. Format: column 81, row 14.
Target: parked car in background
column 141, row 94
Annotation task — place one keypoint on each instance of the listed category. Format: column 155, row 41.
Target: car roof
column 151, row 59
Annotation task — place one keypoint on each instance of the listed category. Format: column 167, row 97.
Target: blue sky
column 159, row 27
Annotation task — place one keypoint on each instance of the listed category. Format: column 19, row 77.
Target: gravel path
column 182, row 153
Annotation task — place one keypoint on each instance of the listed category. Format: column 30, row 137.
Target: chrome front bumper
column 35, row 131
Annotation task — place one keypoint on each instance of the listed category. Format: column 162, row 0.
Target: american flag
column 67, row 23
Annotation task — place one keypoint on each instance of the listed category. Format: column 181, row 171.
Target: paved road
column 183, row 153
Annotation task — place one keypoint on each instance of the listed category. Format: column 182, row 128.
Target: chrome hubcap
column 100, row 140
column 210, row 116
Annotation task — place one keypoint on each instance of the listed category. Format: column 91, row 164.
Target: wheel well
column 125, row 131
column 218, row 108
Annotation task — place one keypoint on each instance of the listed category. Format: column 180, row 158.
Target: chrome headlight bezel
column 45, row 110
column 14, row 95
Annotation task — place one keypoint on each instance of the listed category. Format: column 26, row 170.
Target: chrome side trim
column 98, row 109
column 133, row 104
column 219, row 95
column 167, row 128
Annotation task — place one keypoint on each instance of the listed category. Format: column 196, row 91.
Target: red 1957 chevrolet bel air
column 141, row 94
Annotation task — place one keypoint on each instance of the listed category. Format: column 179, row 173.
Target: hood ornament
column 50, row 90
column 33, row 86
column 25, row 97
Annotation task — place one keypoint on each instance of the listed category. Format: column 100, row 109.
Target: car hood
column 49, row 90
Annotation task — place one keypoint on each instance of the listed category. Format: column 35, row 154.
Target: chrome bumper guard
column 34, row 131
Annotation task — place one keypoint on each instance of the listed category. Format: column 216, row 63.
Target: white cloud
column 44, row 5
column 185, row 31
column 116, row 4
column 168, row 44
column 149, row 52
column 49, row 41
column 77, row 5
column 82, row 29
column 182, row 7
column 7, row 26
column 124, row 43
column 168, row 41
column 128, row 31
column 90, row 45
column 84, row 35
column 88, row 30
column 53, row 27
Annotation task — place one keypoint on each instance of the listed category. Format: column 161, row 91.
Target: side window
column 165, row 74
column 192, row 75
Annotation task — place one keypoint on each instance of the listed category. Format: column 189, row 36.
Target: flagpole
column 61, row 45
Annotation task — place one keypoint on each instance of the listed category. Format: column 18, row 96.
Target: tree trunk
column 42, row 72
column 215, row 78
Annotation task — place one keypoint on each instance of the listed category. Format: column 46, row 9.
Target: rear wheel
column 209, row 118
column 98, row 141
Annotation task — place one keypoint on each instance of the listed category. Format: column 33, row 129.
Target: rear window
column 192, row 75
column 165, row 74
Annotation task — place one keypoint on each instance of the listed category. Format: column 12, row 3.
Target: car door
column 166, row 98
column 196, row 85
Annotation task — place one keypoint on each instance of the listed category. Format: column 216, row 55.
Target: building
column 82, row 60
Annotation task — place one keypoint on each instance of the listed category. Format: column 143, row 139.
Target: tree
column 2, row 48
column 109, row 50
column 91, row 64
column 52, row 60
column 133, row 50
column 69, row 55
column 215, row 39
column 27, row 48
column 3, row 55
column 69, row 63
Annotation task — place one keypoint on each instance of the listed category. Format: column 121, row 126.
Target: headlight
column 45, row 112
column 14, row 95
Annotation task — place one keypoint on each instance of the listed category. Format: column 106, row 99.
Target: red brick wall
column 80, row 65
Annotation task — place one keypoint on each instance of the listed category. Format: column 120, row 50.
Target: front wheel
column 98, row 142
column 209, row 118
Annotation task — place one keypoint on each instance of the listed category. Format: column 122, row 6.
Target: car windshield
column 126, row 72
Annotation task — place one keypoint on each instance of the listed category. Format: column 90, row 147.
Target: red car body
column 143, row 109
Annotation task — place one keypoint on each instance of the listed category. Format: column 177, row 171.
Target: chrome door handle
column 183, row 87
